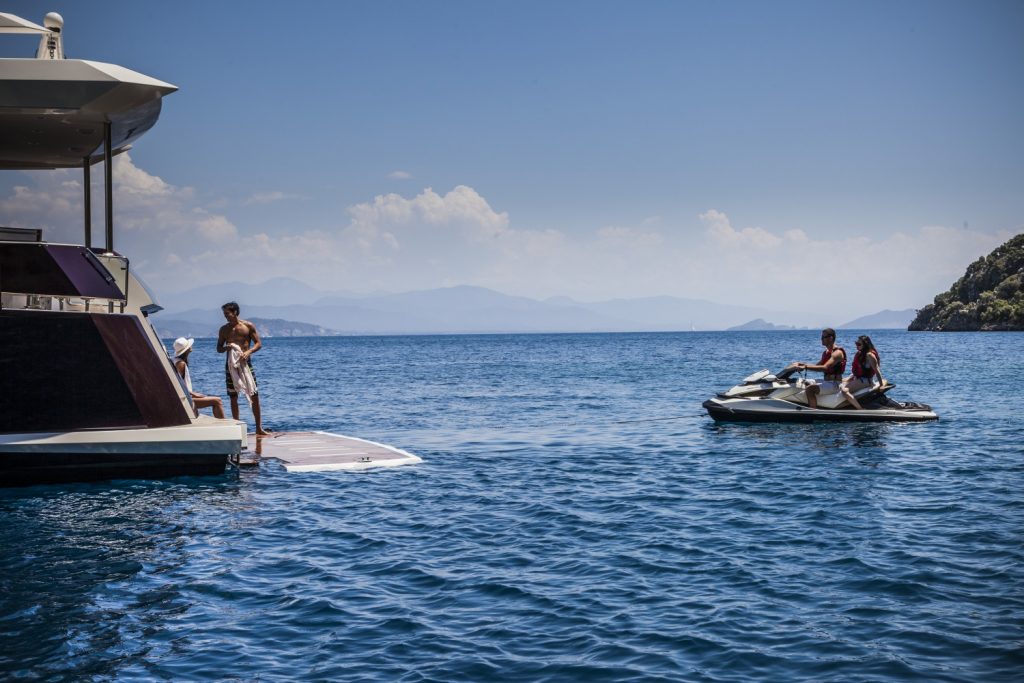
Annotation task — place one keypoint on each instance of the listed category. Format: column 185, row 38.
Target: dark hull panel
column 24, row 469
column 806, row 415
column 68, row 371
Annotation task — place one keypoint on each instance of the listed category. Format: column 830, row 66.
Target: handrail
column 22, row 301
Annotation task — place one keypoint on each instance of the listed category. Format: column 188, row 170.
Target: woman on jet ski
column 866, row 366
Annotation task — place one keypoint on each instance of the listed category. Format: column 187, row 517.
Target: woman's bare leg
column 848, row 393
column 210, row 402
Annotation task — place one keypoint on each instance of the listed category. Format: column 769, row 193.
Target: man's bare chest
column 238, row 334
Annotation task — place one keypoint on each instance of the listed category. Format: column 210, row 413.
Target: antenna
column 51, row 43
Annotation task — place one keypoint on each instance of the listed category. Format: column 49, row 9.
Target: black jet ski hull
column 769, row 410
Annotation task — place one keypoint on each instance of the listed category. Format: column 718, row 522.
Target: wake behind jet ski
column 782, row 397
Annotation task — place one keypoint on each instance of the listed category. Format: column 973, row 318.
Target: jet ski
column 767, row 397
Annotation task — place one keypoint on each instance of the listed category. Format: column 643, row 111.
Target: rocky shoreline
column 989, row 297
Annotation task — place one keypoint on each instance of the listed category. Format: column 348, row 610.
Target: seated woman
column 866, row 366
column 182, row 349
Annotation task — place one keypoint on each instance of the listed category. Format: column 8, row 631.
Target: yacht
column 87, row 390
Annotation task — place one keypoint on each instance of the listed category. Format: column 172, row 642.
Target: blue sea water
column 577, row 517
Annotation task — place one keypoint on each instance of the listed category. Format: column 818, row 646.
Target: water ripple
column 576, row 518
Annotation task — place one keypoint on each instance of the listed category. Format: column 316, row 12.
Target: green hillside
column 990, row 295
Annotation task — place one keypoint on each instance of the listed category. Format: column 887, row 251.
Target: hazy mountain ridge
column 277, row 291
column 883, row 320
column 466, row 309
column 268, row 327
column 760, row 325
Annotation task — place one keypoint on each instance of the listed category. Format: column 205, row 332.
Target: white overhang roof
column 52, row 111
column 12, row 24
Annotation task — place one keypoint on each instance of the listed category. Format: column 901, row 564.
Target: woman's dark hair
column 865, row 346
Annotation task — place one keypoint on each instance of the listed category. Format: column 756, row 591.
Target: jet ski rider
column 866, row 366
column 832, row 363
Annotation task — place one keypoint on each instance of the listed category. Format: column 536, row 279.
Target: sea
column 577, row 517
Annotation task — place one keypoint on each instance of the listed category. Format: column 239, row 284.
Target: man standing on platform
column 240, row 339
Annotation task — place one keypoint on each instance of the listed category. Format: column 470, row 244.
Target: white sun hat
column 181, row 345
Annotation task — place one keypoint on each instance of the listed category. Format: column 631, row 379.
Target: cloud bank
column 432, row 239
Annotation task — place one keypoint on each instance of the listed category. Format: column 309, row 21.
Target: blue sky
column 592, row 149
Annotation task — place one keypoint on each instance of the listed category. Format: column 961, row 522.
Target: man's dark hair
column 827, row 332
column 230, row 306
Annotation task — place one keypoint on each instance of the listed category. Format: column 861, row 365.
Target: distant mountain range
column 759, row 325
column 169, row 329
column 883, row 320
column 290, row 304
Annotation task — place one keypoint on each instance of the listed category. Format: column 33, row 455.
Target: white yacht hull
column 200, row 448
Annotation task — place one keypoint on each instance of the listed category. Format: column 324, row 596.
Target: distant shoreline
column 596, row 332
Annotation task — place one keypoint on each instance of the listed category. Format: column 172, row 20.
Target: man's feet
column 263, row 432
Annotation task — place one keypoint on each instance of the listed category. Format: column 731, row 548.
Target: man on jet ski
column 832, row 363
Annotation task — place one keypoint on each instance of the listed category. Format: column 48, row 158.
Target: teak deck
column 323, row 451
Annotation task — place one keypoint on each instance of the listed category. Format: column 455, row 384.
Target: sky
column 842, row 157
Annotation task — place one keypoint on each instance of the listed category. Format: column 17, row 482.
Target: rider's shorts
column 828, row 386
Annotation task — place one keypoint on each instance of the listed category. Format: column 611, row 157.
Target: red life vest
column 862, row 372
column 826, row 355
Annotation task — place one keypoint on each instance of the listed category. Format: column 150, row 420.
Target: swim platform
column 323, row 452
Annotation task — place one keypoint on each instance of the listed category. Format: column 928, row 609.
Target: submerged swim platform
column 323, row 452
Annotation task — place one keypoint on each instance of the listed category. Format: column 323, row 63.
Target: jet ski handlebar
column 787, row 372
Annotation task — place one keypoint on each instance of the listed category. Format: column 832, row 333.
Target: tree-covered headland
column 990, row 295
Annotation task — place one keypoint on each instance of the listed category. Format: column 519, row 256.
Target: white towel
column 241, row 375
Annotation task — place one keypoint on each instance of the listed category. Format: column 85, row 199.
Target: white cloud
column 133, row 183
column 722, row 232
column 27, row 204
column 214, row 228
column 157, row 224
column 401, row 220
column 856, row 273
column 400, row 175
column 432, row 239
